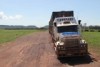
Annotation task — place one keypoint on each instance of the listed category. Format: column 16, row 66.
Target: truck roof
column 61, row 14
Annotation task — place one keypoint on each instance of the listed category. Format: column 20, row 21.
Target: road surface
column 36, row 50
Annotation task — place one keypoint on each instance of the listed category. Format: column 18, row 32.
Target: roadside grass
column 9, row 35
column 93, row 40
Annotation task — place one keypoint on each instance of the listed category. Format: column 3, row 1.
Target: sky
column 38, row 12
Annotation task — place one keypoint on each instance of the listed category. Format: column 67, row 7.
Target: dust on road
column 36, row 50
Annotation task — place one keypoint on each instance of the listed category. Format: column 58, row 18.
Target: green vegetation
column 93, row 39
column 9, row 35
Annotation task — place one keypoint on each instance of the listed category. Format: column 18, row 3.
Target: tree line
column 91, row 28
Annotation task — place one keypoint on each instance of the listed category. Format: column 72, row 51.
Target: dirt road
column 36, row 50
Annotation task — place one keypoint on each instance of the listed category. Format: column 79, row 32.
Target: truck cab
column 67, row 37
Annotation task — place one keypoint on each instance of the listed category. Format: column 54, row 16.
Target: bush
column 86, row 30
column 92, row 30
column 98, row 30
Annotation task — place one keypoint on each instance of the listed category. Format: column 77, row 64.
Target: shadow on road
column 76, row 60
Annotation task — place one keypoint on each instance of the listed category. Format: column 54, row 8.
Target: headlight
column 82, row 42
column 61, row 47
column 61, row 43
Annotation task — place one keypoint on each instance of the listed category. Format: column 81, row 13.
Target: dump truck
column 65, row 32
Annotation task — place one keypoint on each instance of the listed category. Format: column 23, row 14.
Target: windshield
column 67, row 29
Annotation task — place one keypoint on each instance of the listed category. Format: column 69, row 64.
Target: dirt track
column 36, row 50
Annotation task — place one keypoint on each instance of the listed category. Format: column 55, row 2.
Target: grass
column 93, row 40
column 9, row 35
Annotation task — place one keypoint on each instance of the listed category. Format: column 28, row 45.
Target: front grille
column 71, row 42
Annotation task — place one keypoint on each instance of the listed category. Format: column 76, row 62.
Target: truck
column 66, row 35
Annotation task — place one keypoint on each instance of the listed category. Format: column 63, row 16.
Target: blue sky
column 38, row 12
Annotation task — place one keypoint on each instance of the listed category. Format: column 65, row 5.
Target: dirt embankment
column 36, row 50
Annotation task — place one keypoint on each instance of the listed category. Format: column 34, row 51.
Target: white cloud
column 18, row 16
column 11, row 17
column 3, row 16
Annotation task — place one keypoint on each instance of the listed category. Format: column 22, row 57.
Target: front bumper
column 69, row 52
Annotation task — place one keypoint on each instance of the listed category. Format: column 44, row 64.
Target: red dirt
column 36, row 50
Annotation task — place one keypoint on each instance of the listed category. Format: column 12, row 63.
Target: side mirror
column 79, row 22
